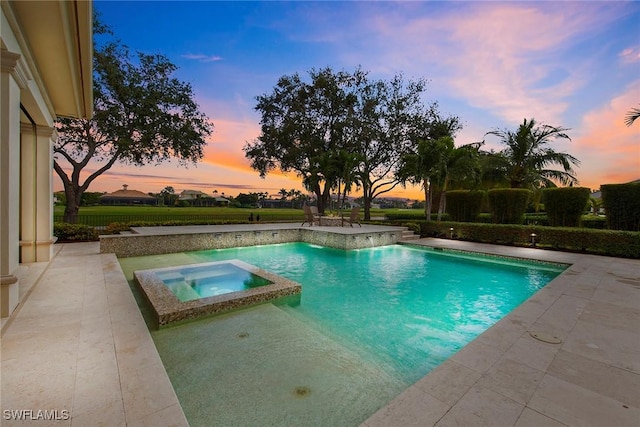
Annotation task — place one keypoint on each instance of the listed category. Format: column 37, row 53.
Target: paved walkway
column 79, row 346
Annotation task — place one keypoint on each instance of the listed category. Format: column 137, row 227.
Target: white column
column 36, row 193
column 44, row 193
column 12, row 79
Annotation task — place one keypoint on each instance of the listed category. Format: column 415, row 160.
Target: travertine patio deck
column 78, row 343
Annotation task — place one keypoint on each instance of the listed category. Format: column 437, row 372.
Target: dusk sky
column 570, row 64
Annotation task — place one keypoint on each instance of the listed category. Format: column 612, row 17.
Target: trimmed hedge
column 621, row 202
column 565, row 206
column 464, row 205
column 614, row 243
column 74, row 232
column 508, row 205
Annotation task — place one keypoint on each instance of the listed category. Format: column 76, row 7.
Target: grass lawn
column 163, row 211
column 105, row 215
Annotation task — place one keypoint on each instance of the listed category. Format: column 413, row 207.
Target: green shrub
column 409, row 214
column 539, row 218
column 592, row 221
column 74, row 232
column 507, row 205
column 565, row 206
column 600, row 242
column 464, row 205
column 621, row 203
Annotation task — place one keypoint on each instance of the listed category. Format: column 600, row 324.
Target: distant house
column 198, row 198
column 127, row 197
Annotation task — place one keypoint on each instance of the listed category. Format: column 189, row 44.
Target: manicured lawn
column 105, row 215
column 178, row 211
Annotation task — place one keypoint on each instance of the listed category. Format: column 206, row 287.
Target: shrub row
column 621, row 202
column 565, row 205
column 615, row 243
column 464, row 205
column 74, row 232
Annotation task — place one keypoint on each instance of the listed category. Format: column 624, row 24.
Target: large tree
column 308, row 127
column 387, row 115
column 527, row 159
column 143, row 115
column 303, row 127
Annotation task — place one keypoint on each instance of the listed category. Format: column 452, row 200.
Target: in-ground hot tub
column 197, row 290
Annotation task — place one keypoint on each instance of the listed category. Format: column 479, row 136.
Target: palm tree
column 527, row 157
column 632, row 115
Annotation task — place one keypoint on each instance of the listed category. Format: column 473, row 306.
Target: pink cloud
column 630, row 55
column 506, row 58
column 608, row 148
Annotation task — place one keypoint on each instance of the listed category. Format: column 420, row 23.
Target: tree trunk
column 443, row 204
column 367, row 199
column 73, row 194
column 427, row 199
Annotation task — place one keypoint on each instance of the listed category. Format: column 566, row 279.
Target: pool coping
column 169, row 309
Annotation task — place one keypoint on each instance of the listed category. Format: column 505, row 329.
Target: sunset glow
column 569, row 64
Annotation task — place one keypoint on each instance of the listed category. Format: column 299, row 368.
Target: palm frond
column 631, row 117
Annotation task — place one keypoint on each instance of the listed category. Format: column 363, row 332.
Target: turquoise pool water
column 368, row 324
column 191, row 283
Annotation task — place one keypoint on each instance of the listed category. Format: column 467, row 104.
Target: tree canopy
column 338, row 130
column 143, row 115
column 527, row 158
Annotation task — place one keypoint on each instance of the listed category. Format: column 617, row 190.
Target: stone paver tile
column 606, row 344
column 107, row 414
column 530, row 418
column 503, row 334
column 513, row 379
column 478, row 355
column 97, row 384
column 38, row 383
column 530, row 310
column 598, row 377
column 576, row 406
column 482, row 407
column 448, row 382
column 560, row 318
column 145, row 385
column 613, row 315
column 534, row 353
column 412, row 408
column 619, row 291
column 169, row 417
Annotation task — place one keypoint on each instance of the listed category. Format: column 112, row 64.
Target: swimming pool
column 368, row 324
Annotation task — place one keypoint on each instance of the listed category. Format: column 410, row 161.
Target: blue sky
column 570, row 64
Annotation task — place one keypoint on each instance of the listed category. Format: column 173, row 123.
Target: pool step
column 409, row 235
